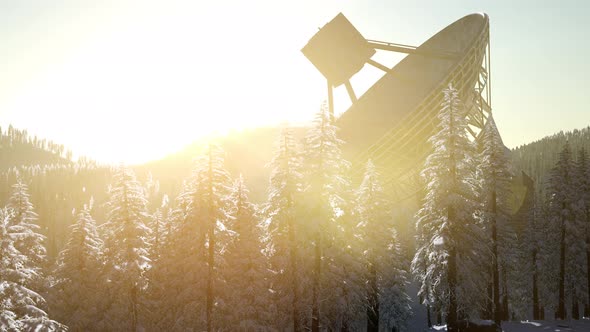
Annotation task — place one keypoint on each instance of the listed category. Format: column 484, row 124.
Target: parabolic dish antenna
column 392, row 121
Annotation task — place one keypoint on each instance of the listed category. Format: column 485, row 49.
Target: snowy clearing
column 534, row 326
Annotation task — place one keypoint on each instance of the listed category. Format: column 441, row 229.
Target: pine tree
column 567, row 224
column 158, row 225
column 495, row 190
column 246, row 295
column 583, row 173
column 159, row 299
column 30, row 241
column 177, row 290
column 187, row 275
column 77, row 286
column 213, row 184
column 532, row 266
column 126, row 251
column 285, row 240
column 10, row 274
column 386, row 298
column 324, row 180
column 448, row 235
column 21, row 308
column 548, row 260
column 347, row 306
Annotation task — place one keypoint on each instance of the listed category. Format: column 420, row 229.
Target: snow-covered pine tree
column 428, row 278
column 548, row 260
column 577, row 244
column 325, row 180
column 537, row 283
column 213, row 184
column 152, row 192
column 159, row 227
column 285, row 233
column 495, row 175
column 583, row 174
column 76, row 292
column 30, row 241
column 126, row 251
column 448, row 234
column 537, row 224
column 187, row 272
column 347, row 310
column 158, row 298
column 571, row 229
column 385, row 278
column 176, row 295
column 245, row 296
column 534, row 242
column 21, row 308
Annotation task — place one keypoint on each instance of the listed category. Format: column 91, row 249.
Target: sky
column 132, row 81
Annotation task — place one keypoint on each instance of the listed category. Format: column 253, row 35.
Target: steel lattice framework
column 391, row 123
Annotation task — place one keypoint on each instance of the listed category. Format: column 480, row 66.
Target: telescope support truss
column 401, row 145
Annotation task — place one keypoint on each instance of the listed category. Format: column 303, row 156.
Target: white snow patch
column 438, row 242
column 537, row 324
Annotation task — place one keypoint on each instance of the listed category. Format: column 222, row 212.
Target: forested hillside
column 18, row 148
column 537, row 158
column 246, row 152
column 207, row 258
column 58, row 184
column 182, row 243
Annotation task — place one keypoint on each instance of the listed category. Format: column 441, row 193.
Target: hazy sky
column 134, row 80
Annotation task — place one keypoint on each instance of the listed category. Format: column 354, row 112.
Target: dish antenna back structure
column 392, row 121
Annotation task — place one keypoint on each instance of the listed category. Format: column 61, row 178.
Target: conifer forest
column 88, row 247
column 294, row 166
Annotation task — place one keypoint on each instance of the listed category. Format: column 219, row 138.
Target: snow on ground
column 549, row 326
column 537, row 326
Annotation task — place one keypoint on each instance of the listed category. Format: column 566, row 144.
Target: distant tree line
column 539, row 157
column 20, row 148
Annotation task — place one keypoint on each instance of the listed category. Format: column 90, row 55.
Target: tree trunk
column 505, row 312
column 345, row 317
column 344, row 327
column 587, row 306
column 452, row 258
column 428, row 320
column 561, row 300
column 495, row 272
column 293, row 268
column 211, row 235
column 373, row 301
column 452, row 280
column 211, row 261
column 315, row 305
column 536, row 305
column 292, row 248
column 575, row 308
column 489, row 311
column 133, row 308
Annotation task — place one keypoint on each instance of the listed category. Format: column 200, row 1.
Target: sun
column 146, row 86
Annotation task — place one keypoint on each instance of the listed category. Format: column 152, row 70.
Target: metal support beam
column 400, row 48
column 473, row 80
column 350, row 91
column 378, row 65
column 331, row 102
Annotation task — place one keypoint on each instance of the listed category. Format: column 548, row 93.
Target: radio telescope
column 392, row 121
